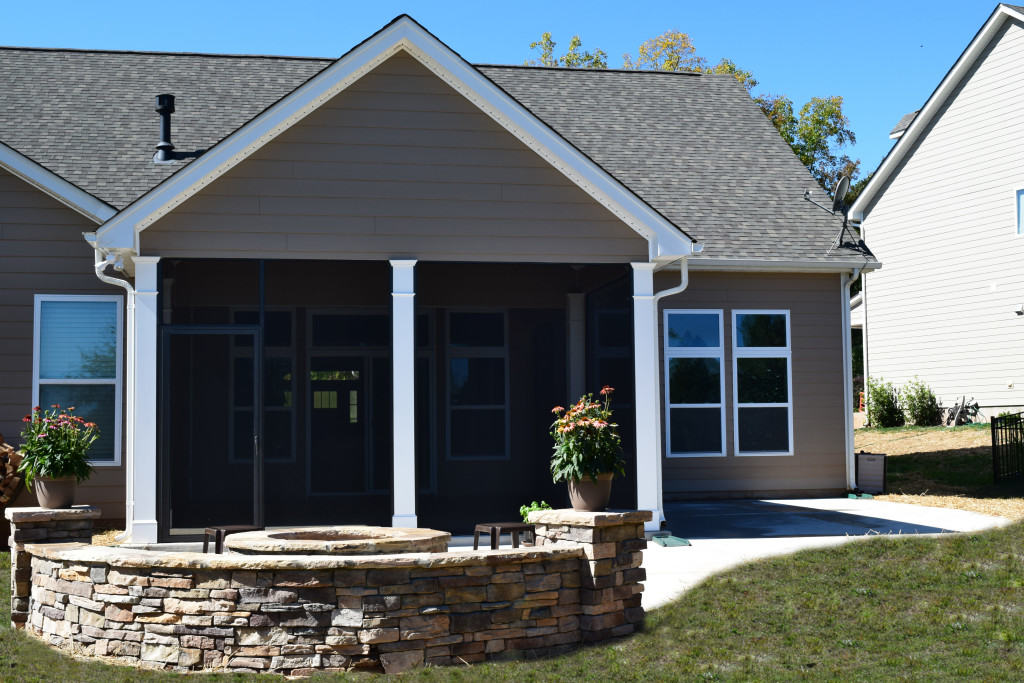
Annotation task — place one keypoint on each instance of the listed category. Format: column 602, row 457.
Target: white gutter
column 102, row 261
column 844, row 290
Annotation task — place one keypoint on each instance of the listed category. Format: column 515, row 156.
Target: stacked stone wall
column 302, row 614
column 40, row 525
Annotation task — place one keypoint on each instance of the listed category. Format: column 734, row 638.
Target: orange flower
column 606, row 390
column 557, row 409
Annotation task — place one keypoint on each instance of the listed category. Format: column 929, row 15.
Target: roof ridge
column 540, row 67
column 163, row 53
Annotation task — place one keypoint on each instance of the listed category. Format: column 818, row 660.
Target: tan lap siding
column 818, row 463
column 399, row 164
column 42, row 252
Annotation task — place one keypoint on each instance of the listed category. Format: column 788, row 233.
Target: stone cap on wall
column 38, row 514
column 129, row 557
column 572, row 517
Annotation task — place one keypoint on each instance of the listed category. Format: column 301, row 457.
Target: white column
column 576, row 319
column 403, row 394
column 648, row 406
column 143, row 524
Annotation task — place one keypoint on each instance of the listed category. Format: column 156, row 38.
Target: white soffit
column 664, row 239
column 909, row 137
column 52, row 184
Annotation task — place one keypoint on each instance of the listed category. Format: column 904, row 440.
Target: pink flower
column 557, row 409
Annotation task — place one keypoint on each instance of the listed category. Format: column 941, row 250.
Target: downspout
column 684, row 281
column 844, row 289
column 100, row 265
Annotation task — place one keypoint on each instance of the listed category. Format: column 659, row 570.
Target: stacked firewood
column 10, row 478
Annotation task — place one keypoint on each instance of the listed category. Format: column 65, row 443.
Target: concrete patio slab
column 728, row 533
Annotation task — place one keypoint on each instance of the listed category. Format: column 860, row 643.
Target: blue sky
column 884, row 58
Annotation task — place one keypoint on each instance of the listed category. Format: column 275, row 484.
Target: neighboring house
column 945, row 213
column 358, row 286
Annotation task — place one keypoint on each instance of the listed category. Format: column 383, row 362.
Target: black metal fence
column 1008, row 447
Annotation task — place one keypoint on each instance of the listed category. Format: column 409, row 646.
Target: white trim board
column 951, row 81
column 665, row 240
column 52, row 184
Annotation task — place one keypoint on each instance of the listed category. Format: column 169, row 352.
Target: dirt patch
column 941, row 467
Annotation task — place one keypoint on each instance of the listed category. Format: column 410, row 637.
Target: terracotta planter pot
column 55, row 494
column 586, row 495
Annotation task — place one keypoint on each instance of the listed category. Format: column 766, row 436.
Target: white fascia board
column 913, row 132
column 664, row 238
column 786, row 266
column 52, row 184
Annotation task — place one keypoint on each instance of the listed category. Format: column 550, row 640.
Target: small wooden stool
column 219, row 533
column 496, row 529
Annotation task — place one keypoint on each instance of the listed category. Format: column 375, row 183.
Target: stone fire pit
column 339, row 540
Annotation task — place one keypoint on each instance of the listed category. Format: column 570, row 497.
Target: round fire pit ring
column 348, row 539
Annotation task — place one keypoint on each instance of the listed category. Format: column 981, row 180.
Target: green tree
column 818, row 132
column 574, row 58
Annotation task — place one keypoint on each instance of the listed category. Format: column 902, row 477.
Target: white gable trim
column 665, row 240
column 909, row 137
column 52, row 184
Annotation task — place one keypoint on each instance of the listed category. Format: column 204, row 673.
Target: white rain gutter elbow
column 100, row 265
column 851, row 464
column 684, row 282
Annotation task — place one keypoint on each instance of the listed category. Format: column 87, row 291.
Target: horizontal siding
column 819, row 460
column 398, row 165
column 42, row 252
column 942, row 307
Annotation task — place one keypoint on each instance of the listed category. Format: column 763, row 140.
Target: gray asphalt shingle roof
column 904, row 122
column 695, row 147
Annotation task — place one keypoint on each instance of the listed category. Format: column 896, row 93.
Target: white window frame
column 694, row 352
column 118, row 361
column 761, row 352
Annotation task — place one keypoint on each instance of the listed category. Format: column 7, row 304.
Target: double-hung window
column 478, row 387
column 76, row 361
column 694, row 383
column 762, row 382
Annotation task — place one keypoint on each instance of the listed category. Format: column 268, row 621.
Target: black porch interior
column 275, row 397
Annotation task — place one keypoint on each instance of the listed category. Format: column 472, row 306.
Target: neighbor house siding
column 42, row 252
column 945, row 228
column 397, row 165
column 818, row 463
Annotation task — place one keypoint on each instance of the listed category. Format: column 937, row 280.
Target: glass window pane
column 77, row 339
column 243, row 433
column 1020, row 211
column 92, row 403
column 693, row 330
column 696, row 430
column 694, row 380
column 277, row 387
column 478, row 433
column 243, row 382
column 761, row 380
column 351, row 330
column 477, row 381
column 763, row 430
column 476, row 329
column 277, row 435
column 761, row 329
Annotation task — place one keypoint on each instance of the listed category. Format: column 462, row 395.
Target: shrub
column 55, row 444
column 587, row 442
column 525, row 510
column 920, row 404
column 884, row 404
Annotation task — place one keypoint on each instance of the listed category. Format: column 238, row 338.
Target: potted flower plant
column 587, row 451
column 55, row 446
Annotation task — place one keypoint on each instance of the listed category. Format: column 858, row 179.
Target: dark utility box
column 871, row 472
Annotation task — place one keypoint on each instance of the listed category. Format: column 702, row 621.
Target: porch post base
column 143, row 531
column 404, row 521
column 654, row 523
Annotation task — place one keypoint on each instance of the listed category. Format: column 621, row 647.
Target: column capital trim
column 403, row 263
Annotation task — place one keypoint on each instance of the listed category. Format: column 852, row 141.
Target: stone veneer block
column 37, row 514
column 300, row 615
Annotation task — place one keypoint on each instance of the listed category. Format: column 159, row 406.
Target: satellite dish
column 842, row 187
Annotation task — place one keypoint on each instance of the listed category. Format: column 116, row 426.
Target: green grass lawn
column 883, row 608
